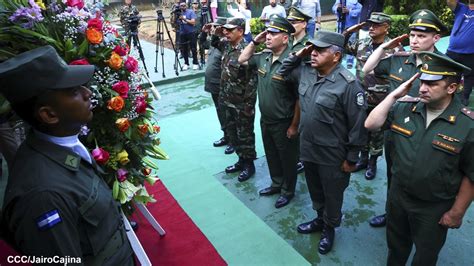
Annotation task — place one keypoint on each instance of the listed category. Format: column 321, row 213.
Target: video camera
column 176, row 11
column 133, row 22
column 159, row 14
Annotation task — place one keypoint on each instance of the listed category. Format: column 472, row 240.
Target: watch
column 255, row 43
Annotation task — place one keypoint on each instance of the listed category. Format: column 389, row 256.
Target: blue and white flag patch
column 48, row 220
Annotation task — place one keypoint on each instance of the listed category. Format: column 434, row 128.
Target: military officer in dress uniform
column 238, row 95
column 56, row 203
column 376, row 88
column 432, row 154
column 299, row 20
column 333, row 110
column 425, row 29
column 279, row 123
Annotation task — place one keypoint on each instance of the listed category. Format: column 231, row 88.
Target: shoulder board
column 408, row 99
column 401, row 53
column 266, row 51
column 348, row 76
column 467, row 111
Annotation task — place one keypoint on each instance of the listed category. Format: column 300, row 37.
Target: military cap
column 425, row 20
column 280, row 24
column 234, row 23
column 31, row 73
column 436, row 66
column 379, row 18
column 296, row 14
column 219, row 21
column 325, row 39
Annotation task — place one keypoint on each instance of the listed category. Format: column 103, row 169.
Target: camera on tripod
column 176, row 11
column 133, row 22
column 159, row 14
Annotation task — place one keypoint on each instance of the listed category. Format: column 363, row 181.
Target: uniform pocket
column 324, row 108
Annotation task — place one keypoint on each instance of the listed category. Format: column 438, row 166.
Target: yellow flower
column 115, row 61
column 122, row 157
column 40, row 4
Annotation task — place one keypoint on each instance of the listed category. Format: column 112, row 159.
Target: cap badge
column 425, row 67
column 422, row 13
column 419, row 20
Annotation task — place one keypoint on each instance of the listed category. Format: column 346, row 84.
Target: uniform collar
column 61, row 155
column 412, row 57
column 449, row 114
column 333, row 75
column 282, row 57
column 302, row 41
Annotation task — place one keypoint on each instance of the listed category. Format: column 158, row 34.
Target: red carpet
column 183, row 244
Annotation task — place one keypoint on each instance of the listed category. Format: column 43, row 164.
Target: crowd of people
column 314, row 112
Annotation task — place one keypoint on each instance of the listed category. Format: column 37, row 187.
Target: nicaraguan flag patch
column 48, row 220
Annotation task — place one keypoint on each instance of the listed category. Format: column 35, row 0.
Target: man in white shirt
column 272, row 9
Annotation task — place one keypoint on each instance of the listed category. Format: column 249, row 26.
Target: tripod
column 160, row 25
column 133, row 36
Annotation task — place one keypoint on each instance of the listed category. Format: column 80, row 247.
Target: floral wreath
column 123, row 135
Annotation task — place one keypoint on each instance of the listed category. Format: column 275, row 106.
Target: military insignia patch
column 360, row 99
column 48, row 220
column 400, row 70
column 407, row 119
column 72, row 161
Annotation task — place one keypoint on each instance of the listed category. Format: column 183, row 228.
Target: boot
column 363, row 160
column 327, row 239
column 248, row 170
column 371, row 168
column 235, row 167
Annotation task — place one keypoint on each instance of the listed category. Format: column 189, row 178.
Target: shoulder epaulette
column 348, row 76
column 408, row 99
column 467, row 111
column 401, row 53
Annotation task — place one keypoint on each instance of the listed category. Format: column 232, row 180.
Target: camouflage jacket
column 125, row 12
column 238, row 81
column 376, row 87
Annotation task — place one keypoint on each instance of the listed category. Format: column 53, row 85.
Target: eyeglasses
column 296, row 21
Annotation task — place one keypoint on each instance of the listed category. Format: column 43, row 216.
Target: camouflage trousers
column 374, row 141
column 239, row 127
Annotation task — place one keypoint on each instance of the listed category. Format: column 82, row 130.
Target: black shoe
column 234, row 168
column 229, row 149
column 269, row 191
column 219, row 143
column 315, row 225
column 378, row 221
column 327, row 240
column 371, row 168
column 362, row 162
column 282, row 201
column 247, row 172
column 299, row 167
column 134, row 225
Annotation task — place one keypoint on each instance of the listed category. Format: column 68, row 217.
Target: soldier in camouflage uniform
column 376, row 88
column 126, row 11
column 238, row 95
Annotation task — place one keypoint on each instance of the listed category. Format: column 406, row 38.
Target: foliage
column 399, row 26
column 123, row 135
column 256, row 27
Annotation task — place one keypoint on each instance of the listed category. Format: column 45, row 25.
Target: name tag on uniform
column 48, row 220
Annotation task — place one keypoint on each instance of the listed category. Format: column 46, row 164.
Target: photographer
column 174, row 20
column 203, row 17
column 187, row 36
column 129, row 18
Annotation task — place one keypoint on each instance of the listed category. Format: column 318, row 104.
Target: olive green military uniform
column 295, row 14
column 277, row 106
column 401, row 66
column 333, row 111
column 419, row 196
column 125, row 12
column 238, row 95
column 84, row 219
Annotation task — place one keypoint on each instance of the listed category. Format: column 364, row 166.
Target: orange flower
column 116, row 104
column 94, row 36
column 143, row 129
column 156, row 129
column 122, row 124
column 115, row 61
column 146, row 171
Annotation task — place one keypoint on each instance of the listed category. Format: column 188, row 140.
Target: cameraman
column 174, row 20
column 203, row 17
column 187, row 35
column 129, row 14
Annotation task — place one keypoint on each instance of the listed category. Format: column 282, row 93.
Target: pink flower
column 95, row 23
column 121, row 88
column 100, row 155
column 122, row 174
column 140, row 105
column 131, row 64
column 120, row 50
column 75, row 3
column 82, row 61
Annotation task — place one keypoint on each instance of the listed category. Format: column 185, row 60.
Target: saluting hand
column 260, row 38
column 305, row 51
column 355, row 28
column 451, row 220
column 403, row 89
column 394, row 42
column 207, row 28
column 219, row 31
